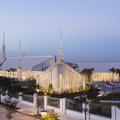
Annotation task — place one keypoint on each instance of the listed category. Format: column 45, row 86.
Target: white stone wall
column 104, row 76
column 52, row 77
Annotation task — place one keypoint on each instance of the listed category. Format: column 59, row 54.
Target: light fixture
column 38, row 90
column 43, row 113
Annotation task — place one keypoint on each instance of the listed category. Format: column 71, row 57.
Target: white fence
column 61, row 107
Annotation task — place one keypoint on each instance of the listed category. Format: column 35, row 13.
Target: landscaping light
column 103, row 93
column 20, row 93
column 43, row 113
column 37, row 90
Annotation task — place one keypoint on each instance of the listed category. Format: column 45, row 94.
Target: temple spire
column 19, row 50
column 3, row 37
column 19, row 70
column 3, row 48
column 30, row 52
column 60, row 38
column 60, row 50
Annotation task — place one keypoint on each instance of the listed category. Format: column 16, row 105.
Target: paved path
column 16, row 116
column 26, row 109
column 32, row 111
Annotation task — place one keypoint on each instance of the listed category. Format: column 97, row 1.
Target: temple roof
column 99, row 66
column 27, row 62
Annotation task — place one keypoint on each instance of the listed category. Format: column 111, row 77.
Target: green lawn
column 105, row 108
column 109, row 104
column 24, row 83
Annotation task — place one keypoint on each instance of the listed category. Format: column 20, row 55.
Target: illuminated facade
column 45, row 69
column 101, row 70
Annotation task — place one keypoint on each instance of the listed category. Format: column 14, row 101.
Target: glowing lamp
column 43, row 113
column 37, row 90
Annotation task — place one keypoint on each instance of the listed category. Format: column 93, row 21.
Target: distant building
column 101, row 70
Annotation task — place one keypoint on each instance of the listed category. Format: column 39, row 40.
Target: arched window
column 71, row 83
column 76, row 84
column 105, row 77
column 44, row 83
column 102, row 77
column 99, row 77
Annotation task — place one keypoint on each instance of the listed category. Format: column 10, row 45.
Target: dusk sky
column 90, row 28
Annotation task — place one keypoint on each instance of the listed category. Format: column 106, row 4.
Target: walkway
column 32, row 111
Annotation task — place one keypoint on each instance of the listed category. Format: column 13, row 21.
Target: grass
column 74, row 108
column 116, row 96
column 24, row 83
column 109, row 104
column 105, row 108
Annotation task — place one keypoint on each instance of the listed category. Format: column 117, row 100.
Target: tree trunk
column 113, row 88
column 13, row 74
column 85, row 115
column 0, row 96
column 89, row 80
column 113, row 77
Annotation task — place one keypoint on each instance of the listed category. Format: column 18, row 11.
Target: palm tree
column 8, row 71
column 13, row 70
column 118, row 72
column 88, row 73
column 113, row 71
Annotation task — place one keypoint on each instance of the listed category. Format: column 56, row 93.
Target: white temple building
column 45, row 69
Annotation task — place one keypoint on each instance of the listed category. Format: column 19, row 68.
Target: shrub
column 51, row 117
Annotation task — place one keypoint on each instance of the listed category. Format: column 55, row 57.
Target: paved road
column 16, row 116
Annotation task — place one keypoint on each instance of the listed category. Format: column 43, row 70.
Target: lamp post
column 37, row 102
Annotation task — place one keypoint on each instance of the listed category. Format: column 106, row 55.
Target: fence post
column 20, row 97
column 35, row 99
column 64, row 105
column 114, row 112
column 45, row 102
column 83, row 113
column 61, row 105
column 83, row 106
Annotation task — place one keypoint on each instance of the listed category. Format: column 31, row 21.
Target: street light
column 37, row 102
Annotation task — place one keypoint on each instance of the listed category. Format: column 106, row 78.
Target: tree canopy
column 88, row 73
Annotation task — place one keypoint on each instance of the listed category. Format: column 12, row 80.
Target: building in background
column 101, row 70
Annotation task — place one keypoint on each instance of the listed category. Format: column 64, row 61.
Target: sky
column 90, row 28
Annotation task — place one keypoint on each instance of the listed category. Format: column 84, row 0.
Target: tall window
column 105, row 77
column 76, row 83
column 71, row 83
column 60, row 80
column 102, row 77
column 44, row 84
column 99, row 77
column 47, row 83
